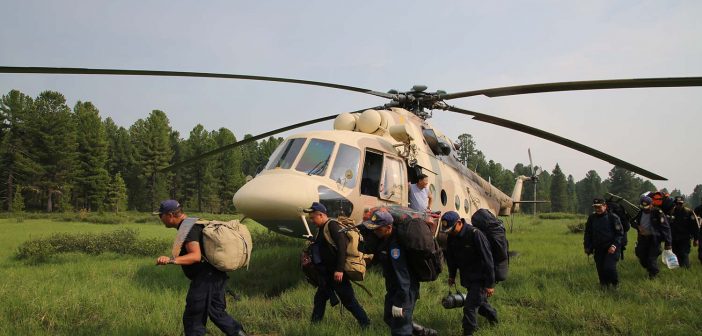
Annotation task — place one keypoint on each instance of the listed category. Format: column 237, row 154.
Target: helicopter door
column 393, row 182
column 372, row 169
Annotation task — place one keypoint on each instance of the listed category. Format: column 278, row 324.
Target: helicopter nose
column 275, row 199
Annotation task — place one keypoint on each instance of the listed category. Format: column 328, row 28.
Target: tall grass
column 552, row 290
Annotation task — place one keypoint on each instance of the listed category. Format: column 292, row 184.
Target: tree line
column 54, row 158
column 563, row 192
column 57, row 158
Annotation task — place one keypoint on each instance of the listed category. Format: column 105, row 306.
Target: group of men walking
column 605, row 236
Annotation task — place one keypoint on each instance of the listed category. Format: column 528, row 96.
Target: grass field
column 552, row 290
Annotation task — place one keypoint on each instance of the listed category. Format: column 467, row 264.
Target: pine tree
column 572, row 195
column 198, row 178
column 152, row 152
column 695, row 198
column 17, row 206
column 56, row 147
column 227, row 170
column 559, row 191
column 587, row 189
column 117, row 196
column 623, row 183
column 17, row 129
column 91, row 177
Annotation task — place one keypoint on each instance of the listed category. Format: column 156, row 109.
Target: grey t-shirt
column 418, row 198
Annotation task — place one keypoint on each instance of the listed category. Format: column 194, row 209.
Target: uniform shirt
column 469, row 252
column 645, row 228
column 603, row 231
column 402, row 288
column 683, row 224
column 333, row 259
column 418, row 198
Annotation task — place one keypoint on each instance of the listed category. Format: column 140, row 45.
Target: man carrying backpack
column 401, row 286
column 683, row 227
column 333, row 281
column 206, row 292
column 652, row 227
column 469, row 251
column 604, row 236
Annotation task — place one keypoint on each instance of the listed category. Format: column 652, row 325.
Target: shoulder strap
column 327, row 234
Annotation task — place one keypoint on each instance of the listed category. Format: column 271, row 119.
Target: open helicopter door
column 383, row 178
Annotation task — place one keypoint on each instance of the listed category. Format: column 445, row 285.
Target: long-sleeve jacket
column 602, row 231
column 469, row 252
column 659, row 222
column 683, row 224
column 402, row 288
column 333, row 258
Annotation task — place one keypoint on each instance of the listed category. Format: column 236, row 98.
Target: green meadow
column 552, row 289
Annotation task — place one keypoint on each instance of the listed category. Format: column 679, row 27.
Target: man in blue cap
column 468, row 251
column 206, row 292
column 683, row 227
column 652, row 226
column 402, row 288
column 331, row 257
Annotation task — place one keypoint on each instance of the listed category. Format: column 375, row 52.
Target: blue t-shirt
column 418, row 198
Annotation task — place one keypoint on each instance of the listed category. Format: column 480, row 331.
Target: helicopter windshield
column 315, row 160
column 285, row 155
column 347, row 159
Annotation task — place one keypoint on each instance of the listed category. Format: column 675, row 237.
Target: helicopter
column 372, row 154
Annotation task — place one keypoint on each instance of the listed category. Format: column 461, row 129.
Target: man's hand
column 396, row 312
column 451, row 281
column 489, row 291
column 338, row 276
column 163, row 260
column 612, row 249
column 695, row 243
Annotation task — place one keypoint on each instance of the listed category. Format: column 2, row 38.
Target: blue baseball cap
column 166, row 207
column 316, row 206
column 379, row 218
column 646, row 201
column 449, row 220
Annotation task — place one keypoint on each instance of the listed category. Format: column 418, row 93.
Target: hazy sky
column 382, row 45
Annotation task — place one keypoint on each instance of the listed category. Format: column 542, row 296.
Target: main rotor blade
column 577, row 86
column 557, row 139
column 252, row 139
column 126, row 72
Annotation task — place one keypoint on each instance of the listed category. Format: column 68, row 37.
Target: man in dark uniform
column 653, row 228
column 330, row 264
column 604, row 236
column 401, row 286
column 468, row 251
column 683, row 227
column 698, row 213
column 206, row 293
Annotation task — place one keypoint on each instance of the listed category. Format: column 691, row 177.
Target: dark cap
column 679, row 199
column 598, row 202
column 167, row 206
column 449, row 220
column 646, row 201
column 316, row 206
column 378, row 219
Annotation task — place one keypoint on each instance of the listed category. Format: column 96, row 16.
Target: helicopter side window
column 285, row 155
column 347, row 160
column 315, row 160
column 392, row 186
column 372, row 169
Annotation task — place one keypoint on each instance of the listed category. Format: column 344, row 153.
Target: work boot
column 241, row 333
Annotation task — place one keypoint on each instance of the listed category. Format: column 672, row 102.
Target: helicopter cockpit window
column 285, row 155
column 315, row 160
column 347, row 160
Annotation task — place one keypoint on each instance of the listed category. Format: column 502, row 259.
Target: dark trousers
column 206, row 298
column 476, row 303
column 607, row 266
column 648, row 250
column 401, row 326
column 328, row 290
column 681, row 248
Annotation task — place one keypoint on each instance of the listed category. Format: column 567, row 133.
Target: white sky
column 382, row 45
